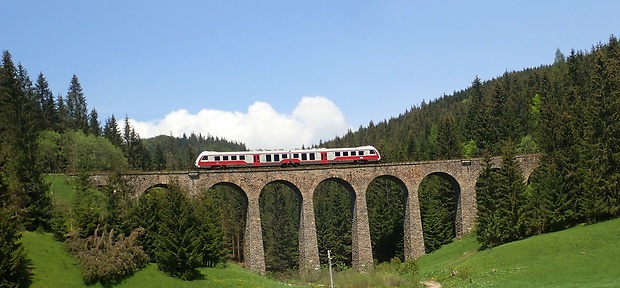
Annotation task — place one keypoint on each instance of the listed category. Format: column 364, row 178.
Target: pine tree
column 94, row 127
column 112, row 133
column 438, row 211
column 177, row 249
column 14, row 266
column 19, row 132
column 280, row 223
column 49, row 114
column 214, row 249
column 76, row 106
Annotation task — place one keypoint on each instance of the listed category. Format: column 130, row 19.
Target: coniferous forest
column 568, row 112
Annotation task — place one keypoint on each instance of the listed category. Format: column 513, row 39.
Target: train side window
column 205, row 158
column 276, row 158
column 345, row 153
column 361, row 153
column 296, row 155
column 217, row 158
column 304, row 156
column 268, row 158
column 337, row 154
column 225, row 158
column 352, row 153
column 284, row 156
column 312, row 156
column 234, row 157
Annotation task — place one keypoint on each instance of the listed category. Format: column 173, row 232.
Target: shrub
column 104, row 259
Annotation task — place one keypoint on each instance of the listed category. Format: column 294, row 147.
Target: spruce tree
column 177, row 249
column 214, row 249
column 19, row 130
column 76, row 106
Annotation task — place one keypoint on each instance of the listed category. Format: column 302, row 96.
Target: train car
column 284, row 158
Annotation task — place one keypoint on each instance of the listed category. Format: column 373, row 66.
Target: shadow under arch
column 233, row 202
column 334, row 205
column 280, row 204
column 386, row 198
column 440, row 199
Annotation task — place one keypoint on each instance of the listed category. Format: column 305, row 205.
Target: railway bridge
column 462, row 173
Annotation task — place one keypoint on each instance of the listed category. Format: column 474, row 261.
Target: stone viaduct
column 356, row 178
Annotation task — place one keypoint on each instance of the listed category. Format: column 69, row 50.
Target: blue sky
column 279, row 74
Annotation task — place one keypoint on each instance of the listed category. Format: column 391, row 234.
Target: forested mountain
column 569, row 112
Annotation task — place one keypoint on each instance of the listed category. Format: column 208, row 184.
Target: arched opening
column 232, row 203
column 385, row 198
column 333, row 211
column 439, row 195
column 280, row 203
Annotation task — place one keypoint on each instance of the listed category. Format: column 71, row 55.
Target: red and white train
column 284, row 158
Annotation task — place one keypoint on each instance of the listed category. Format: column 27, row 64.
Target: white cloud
column 261, row 127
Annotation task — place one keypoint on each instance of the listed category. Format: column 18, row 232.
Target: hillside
column 582, row 256
column 53, row 267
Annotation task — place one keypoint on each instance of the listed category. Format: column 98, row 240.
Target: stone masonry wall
column 408, row 176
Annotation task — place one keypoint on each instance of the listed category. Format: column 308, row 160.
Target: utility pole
column 329, row 260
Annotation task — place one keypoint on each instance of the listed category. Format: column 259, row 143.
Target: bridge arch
column 464, row 171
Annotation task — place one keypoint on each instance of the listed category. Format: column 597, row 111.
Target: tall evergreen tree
column 76, row 106
column 94, row 127
column 49, row 114
column 279, row 207
column 20, row 130
column 177, row 249
column 112, row 133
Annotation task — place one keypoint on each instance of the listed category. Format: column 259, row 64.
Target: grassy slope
column 585, row 256
column 55, row 268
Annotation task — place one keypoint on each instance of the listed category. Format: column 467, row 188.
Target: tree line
column 567, row 112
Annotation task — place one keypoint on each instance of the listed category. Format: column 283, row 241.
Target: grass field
column 55, row 268
column 584, row 256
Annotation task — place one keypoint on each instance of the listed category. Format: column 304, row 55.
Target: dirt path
column 431, row 284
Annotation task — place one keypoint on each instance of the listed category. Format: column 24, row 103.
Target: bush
column 104, row 259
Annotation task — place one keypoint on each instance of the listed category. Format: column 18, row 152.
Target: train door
column 256, row 159
column 323, row 157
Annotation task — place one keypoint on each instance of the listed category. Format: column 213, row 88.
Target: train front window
column 204, row 158
column 372, row 152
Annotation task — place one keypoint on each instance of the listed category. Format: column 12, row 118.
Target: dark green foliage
column 438, row 208
column 333, row 216
column 279, row 208
column 500, row 198
column 19, row 129
column 77, row 112
column 88, row 213
column 172, row 153
column 108, row 258
column 146, row 215
column 177, row 247
column 14, row 266
column 214, row 249
column 386, row 210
